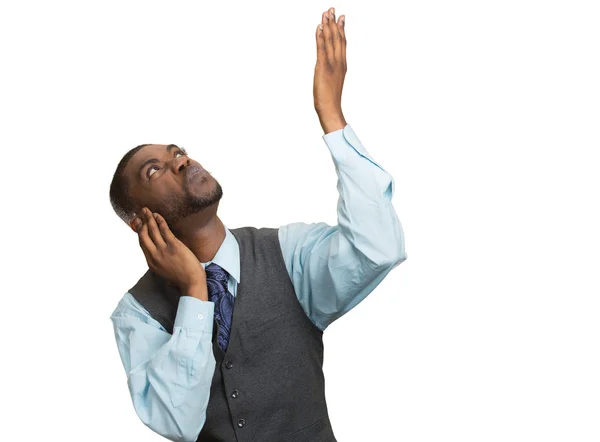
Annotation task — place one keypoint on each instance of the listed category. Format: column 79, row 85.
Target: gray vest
column 269, row 385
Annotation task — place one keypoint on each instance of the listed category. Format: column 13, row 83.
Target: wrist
column 332, row 123
column 199, row 291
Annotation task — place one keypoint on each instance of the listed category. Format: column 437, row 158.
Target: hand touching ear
column 168, row 257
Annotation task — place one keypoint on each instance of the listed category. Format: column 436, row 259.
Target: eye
column 150, row 169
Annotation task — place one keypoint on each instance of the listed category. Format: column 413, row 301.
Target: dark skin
column 188, row 201
column 177, row 199
column 178, row 202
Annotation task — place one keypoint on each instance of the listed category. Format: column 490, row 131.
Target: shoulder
column 254, row 233
column 128, row 306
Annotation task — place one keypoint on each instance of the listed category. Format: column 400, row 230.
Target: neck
column 201, row 234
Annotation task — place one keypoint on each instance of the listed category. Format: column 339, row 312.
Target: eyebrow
column 155, row 160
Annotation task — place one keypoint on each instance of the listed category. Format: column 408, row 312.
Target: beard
column 182, row 206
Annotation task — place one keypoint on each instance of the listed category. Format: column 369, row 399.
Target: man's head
column 164, row 179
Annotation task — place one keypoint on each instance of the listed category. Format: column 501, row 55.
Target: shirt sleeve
column 169, row 376
column 333, row 268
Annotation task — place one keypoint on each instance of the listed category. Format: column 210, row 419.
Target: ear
column 132, row 221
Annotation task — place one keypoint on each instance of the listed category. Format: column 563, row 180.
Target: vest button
column 241, row 423
column 228, row 364
column 235, row 393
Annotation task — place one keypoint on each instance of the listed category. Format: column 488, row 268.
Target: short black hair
column 120, row 199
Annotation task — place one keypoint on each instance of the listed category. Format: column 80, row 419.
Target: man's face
column 164, row 179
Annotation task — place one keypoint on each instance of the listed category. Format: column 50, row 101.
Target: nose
column 179, row 164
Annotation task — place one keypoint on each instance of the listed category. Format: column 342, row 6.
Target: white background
column 486, row 114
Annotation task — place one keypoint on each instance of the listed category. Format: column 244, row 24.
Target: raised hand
column 330, row 71
column 168, row 257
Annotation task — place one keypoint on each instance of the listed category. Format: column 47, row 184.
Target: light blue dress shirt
column 332, row 268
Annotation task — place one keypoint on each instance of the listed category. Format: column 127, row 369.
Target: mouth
column 194, row 172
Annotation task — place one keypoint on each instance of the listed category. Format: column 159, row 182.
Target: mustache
column 193, row 170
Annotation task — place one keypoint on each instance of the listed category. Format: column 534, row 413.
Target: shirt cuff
column 339, row 140
column 347, row 150
column 195, row 314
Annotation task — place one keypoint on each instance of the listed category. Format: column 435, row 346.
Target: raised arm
column 169, row 376
column 333, row 268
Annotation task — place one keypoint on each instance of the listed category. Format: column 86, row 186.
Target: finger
column 328, row 36
column 320, row 43
column 153, row 230
column 146, row 243
column 341, row 26
column 168, row 236
column 336, row 35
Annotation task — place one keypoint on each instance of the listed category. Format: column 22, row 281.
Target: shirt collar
column 228, row 255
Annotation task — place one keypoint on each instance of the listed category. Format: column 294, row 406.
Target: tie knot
column 216, row 274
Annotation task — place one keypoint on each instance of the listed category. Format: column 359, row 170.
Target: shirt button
column 235, row 393
column 228, row 364
column 241, row 423
column 200, row 316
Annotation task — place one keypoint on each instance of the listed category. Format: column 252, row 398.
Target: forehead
column 145, row 153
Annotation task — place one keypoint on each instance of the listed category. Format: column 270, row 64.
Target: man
column 221, row 338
